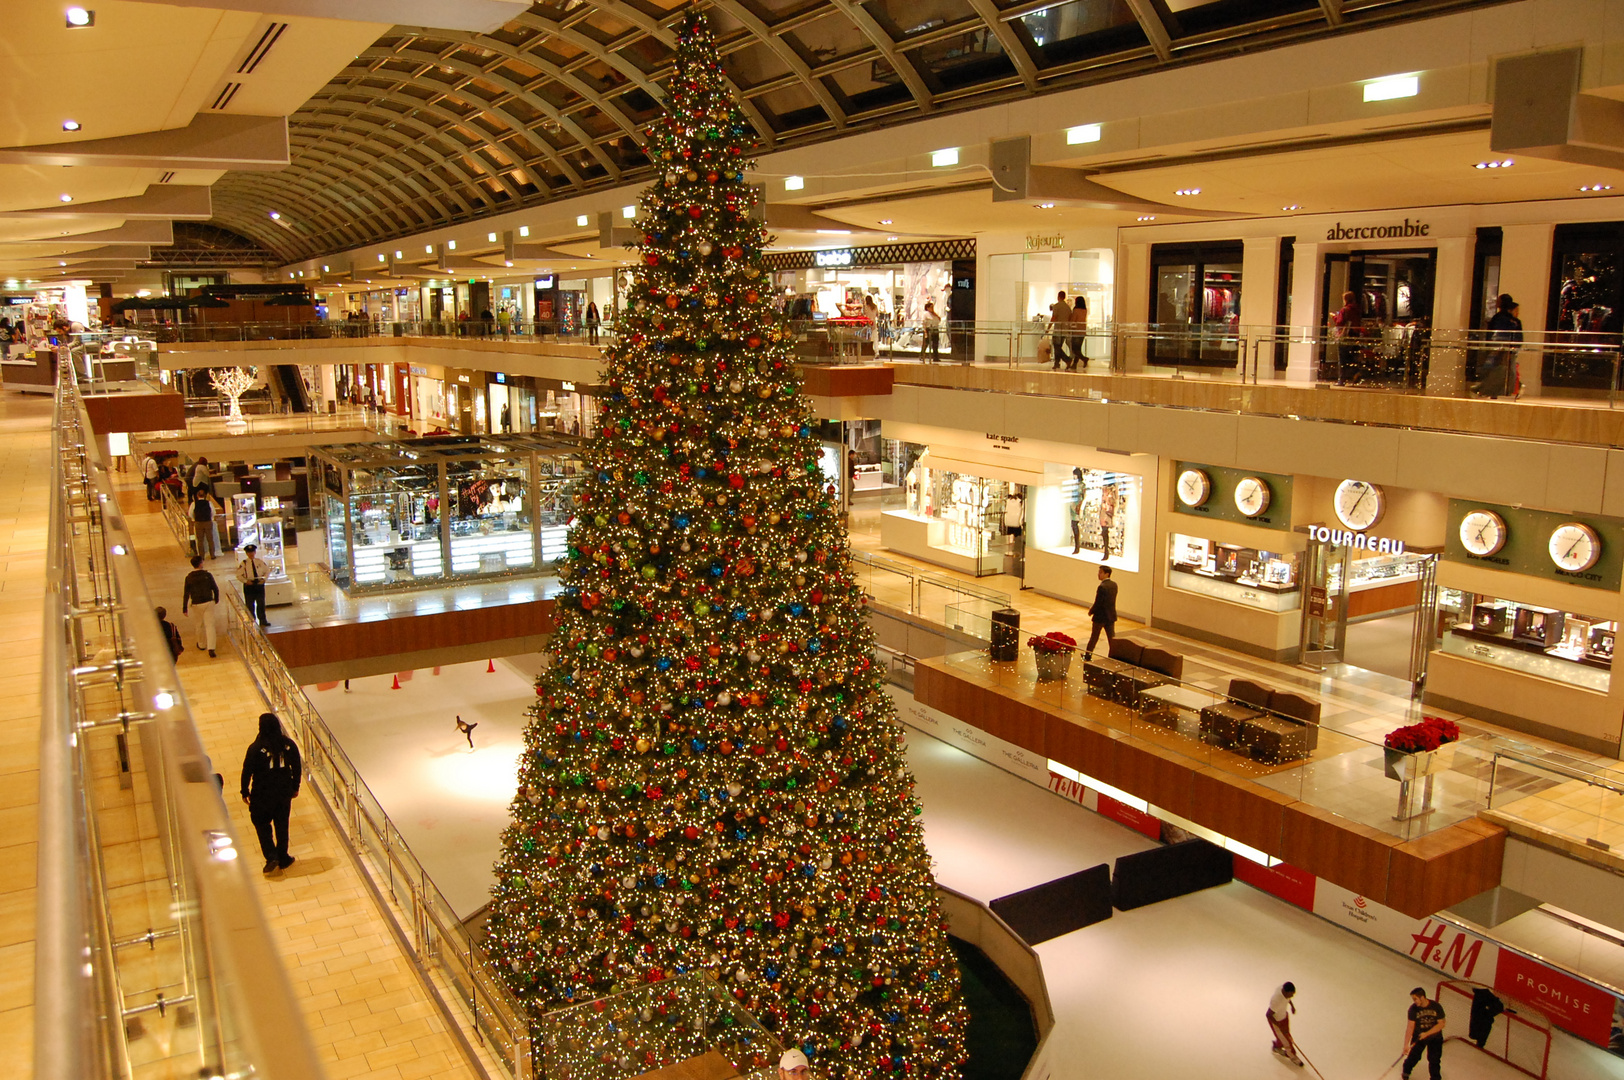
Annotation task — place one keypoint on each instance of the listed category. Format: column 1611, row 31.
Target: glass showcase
column 421, row 511
column 1560, row 645
column 1092, row 514
column 1268, row 580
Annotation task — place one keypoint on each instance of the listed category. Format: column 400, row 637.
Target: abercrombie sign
column 1340, row 231
column 1348, row 538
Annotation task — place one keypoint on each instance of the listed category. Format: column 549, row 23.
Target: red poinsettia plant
column 1052, row 642
column 1431, row 733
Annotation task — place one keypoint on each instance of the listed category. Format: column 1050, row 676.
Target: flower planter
column 1053, row 666
column 1401, row 766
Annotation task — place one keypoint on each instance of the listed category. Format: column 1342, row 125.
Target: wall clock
column 1194, row 487
column 1359, row 504
column 1575, row 547
column 1482, row 532
column 1251, row 496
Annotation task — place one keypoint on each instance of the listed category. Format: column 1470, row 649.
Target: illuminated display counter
column 424, row 511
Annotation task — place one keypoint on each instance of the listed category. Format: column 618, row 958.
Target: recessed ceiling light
column 1044, row 205
column 1188, row 191
column 451, row 245
column 885, row 221
column 524, row 230
column 891, row 238
column 61, row 264
column 1505, row 163
column 580, row 221
column 1597, row 187
column 70, row 125
column 1293, row 206
column 79, row 17
column 941, row 159
column 274, row 216
column 628, row 212
column 66, row 197
column 507, row 262
column 1393, row 86
column 382, row 257
column 400, row 254
column 794, row 183
column 1146, row 217
column 490, row 238
column 1086, row 134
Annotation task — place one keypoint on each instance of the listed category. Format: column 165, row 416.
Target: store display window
column 1093, row 514
column 1196, row 304
column 490, row 523
column 1560, row 645
column 944, row 513
column 1024, row 286
column 1586, row 306
column 1268, row 580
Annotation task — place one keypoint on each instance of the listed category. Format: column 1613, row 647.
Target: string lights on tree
column 713, row 777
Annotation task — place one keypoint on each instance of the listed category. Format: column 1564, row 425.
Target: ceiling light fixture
column 794, row 183
column 490, row 238
column 1505, row 163
column 885, row 221
column 891, row 238
column 1293, row 206
column 70, row 125
column 628, row 212
column 1188, row 191
column 61, row 264
column 1146, row 217
column 1597, row 187
column 275, row 216
column 451, row 245
column 580, row 221
column 400, row 254
column 1086, row 134
column 507, row 262
column 524, row 230
column 1043, row 206
column 382, row 257
column 941, row 159
column 66, row 197
column 1392, row 87
column 79, row 18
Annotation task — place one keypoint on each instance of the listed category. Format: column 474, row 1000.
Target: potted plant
column 1417, row 750
column 1053, row 652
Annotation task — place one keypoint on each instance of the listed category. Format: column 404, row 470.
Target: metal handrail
column 439, row 943
column 100, row 635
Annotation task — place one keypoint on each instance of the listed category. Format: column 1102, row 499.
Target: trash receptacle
column 1006, row 634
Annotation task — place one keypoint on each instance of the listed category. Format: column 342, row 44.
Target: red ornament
column 696, row 212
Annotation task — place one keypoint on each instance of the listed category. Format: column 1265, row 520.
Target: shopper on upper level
column 1059, row 327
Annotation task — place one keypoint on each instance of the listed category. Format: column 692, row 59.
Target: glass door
column 1426, row 622
column 1325, row 605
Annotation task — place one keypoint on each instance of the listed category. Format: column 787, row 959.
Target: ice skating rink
column 1173, row 991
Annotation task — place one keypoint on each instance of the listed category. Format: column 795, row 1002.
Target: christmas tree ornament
column 713, row 779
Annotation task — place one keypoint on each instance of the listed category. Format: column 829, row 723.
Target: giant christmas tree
column 713, row 776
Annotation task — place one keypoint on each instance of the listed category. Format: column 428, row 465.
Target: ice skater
column 1424, row 1033
column 1280, row 1009
column 467, row 730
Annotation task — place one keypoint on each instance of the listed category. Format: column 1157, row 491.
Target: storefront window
column 490, row 525
column 1384, row 336
column 1244, row 575
column 944, row 515
column 393, row 522
column 1560, row 645
column 1197, row 304
column 1092, row 514
column 1587, row 300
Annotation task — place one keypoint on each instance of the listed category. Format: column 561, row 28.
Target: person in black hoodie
column 271, row 771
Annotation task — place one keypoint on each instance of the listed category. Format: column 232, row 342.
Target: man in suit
column 1102, row 613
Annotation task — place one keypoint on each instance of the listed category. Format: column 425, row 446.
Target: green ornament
column 701, row 608
column 651, row 571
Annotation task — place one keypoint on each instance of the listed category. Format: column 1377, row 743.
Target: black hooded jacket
column 271, row 770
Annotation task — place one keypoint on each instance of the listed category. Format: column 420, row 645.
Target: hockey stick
column 1311, row 1065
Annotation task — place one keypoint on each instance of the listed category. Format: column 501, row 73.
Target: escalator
column 289, row 388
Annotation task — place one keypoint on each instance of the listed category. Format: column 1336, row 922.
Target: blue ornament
column 814, row 646
column 663, row 663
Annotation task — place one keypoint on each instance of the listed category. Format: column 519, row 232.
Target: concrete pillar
column 1525, row 273
column 1306, row 273
column 1260, row 284
column 1451, row 312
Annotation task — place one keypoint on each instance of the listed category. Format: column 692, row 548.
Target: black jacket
column 271, row 771
column 200, row 588
column 1103, row 610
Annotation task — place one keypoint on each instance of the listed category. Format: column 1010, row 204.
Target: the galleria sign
column 1340, row 231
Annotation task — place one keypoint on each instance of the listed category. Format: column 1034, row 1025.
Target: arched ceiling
column 432, row 127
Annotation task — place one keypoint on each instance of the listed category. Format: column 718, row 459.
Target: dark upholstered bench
column 1271, row 726
column 1131, row 668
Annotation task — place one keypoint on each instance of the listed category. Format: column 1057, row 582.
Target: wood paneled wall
column 322, row 645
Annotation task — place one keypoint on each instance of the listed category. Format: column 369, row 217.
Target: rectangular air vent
column 262, row 48
column 166, row 177
column 228, row 92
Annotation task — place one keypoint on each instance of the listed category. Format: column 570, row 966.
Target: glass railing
column 1575, row 805
column 917, row 591
column 1281, row 745
column 654, row 1030
column 446, row 949
column 153, row 956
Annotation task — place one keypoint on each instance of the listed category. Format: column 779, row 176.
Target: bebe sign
column 832, row 258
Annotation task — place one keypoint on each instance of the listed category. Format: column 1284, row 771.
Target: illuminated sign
column 832, row 258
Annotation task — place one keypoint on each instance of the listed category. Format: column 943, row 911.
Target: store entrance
column 1382, row 338
column 1369, row 610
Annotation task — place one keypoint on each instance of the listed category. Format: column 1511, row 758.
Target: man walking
column 271, row 771
column 1424, row 1034
column 205, row 540
column 1059, row 330
column 251, row 572
column 1280, row 1009
column 149, row 473
column 1102, row 613
column 199, row 594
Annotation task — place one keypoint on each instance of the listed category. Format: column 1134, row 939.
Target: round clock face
column 1194, row 487
column 1482, row 532
column 1251, row 496
column 1575, row 547
column 1359, row 504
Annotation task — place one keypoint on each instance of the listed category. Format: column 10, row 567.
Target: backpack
column 172, row 635
column 281, row 769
